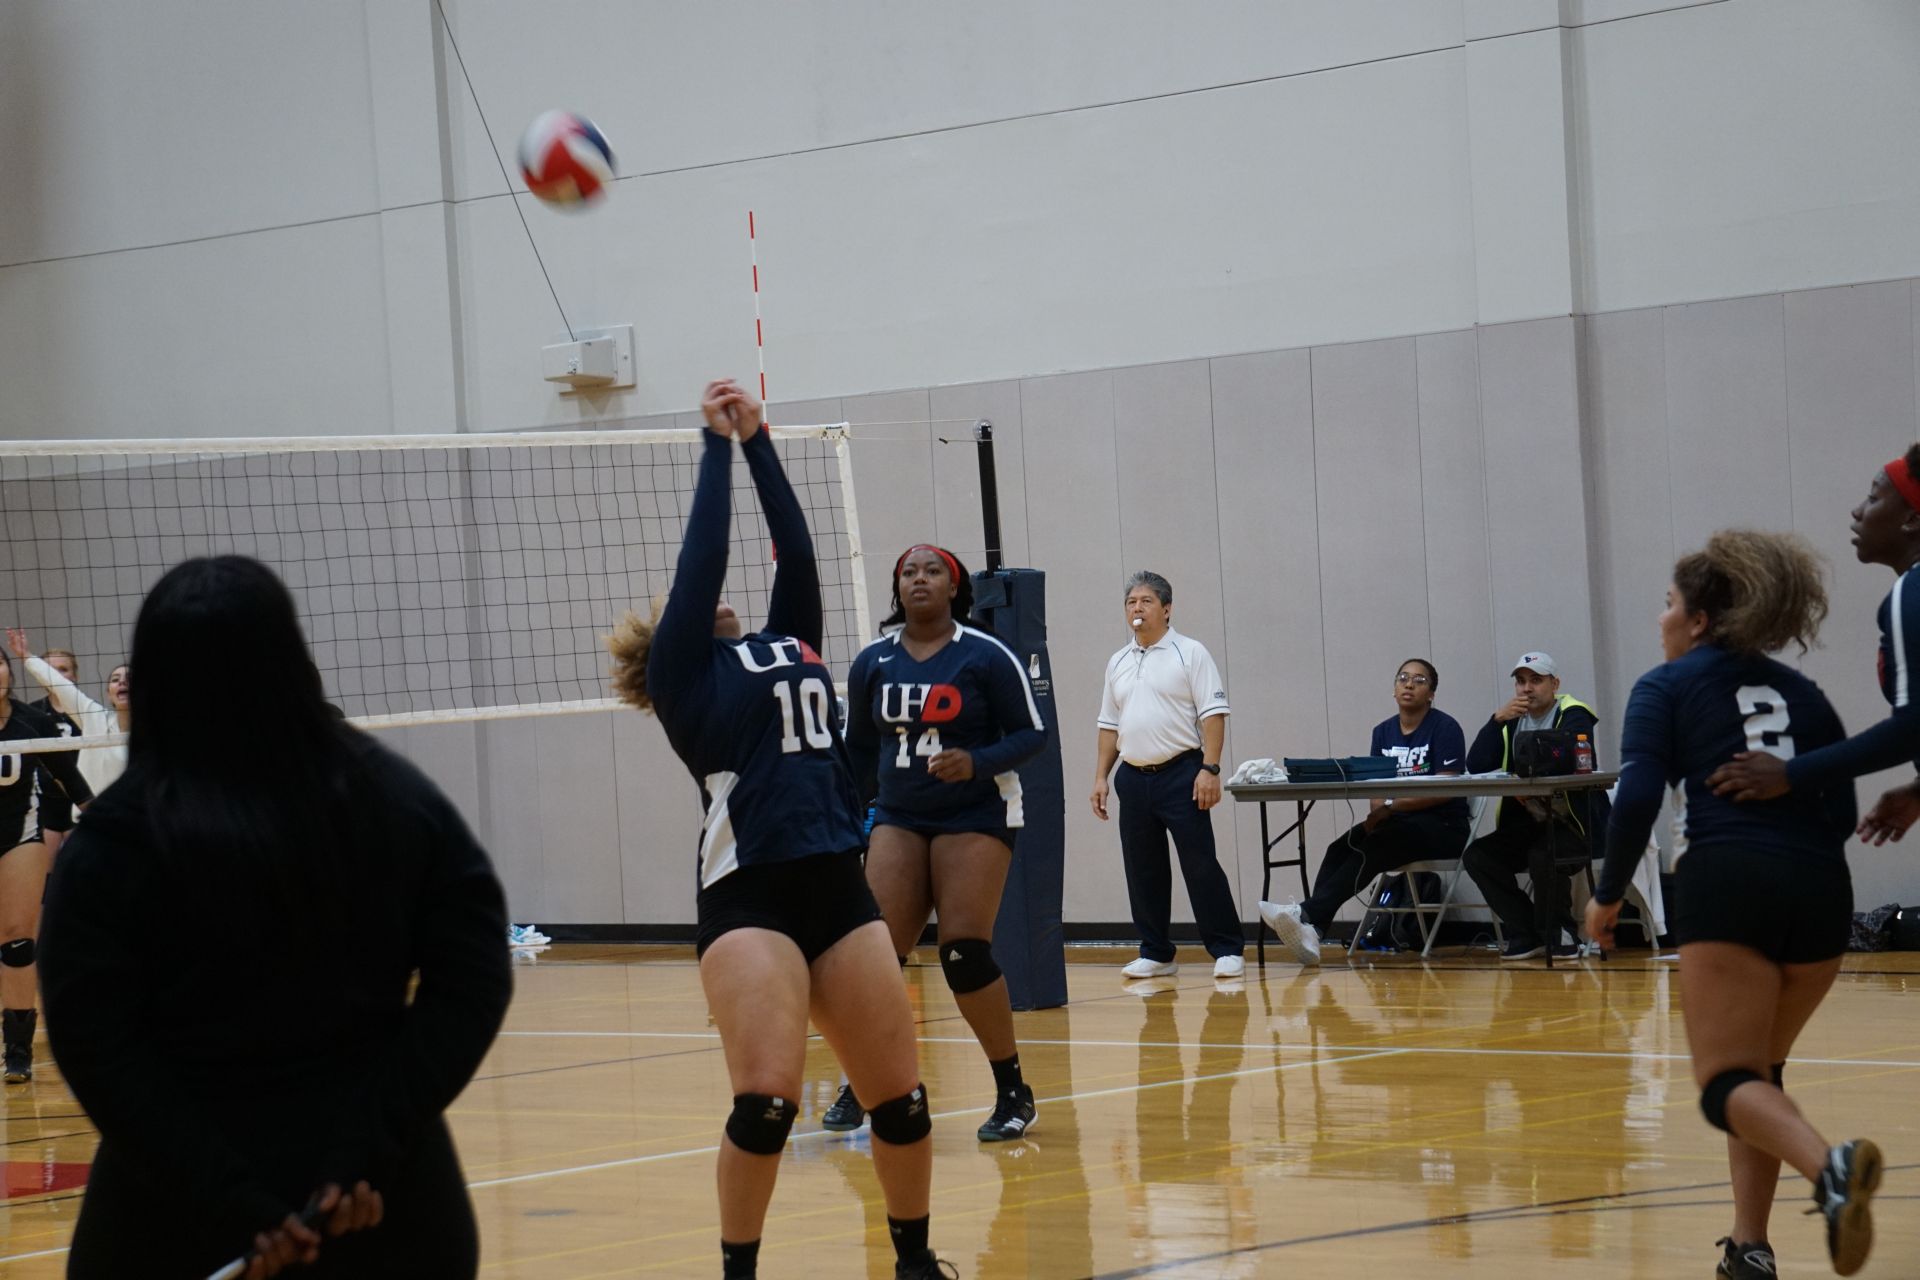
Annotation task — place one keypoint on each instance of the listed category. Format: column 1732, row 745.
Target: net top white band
column 343, row 444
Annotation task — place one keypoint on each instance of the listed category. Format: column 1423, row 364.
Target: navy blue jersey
column 970, row 695
column 1899, row 664
column 752, row 719
column 1895, row 740
column 1690, row 716
column 1436, row 745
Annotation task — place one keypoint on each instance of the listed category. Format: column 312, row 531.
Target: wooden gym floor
column 1443, row 1119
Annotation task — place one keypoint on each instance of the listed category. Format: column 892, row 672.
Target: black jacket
column 1492, row 750
column 233, row 1070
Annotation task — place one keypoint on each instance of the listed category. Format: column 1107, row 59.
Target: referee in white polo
column 1163, row 716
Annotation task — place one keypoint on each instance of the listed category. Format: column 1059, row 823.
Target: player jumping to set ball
column 787, row 925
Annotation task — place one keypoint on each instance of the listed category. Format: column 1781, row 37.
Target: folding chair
column 1428, row 915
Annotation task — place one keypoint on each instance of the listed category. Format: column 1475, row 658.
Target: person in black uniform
column 940, row 714
column 1886, row 531
column 25, row 779
column 234, row 1084
column 1765, row 903
column 786, row 924
column 56, row 811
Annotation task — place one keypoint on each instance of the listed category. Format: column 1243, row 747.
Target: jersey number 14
column 929, row 745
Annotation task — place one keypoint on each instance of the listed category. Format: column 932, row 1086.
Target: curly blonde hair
column 630, row 643
column 1760, row 591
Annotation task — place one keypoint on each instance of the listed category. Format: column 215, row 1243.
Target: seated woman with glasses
column 1421, row 740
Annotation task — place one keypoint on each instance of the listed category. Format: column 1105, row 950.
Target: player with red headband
column 1886, row 531
column 940, row 716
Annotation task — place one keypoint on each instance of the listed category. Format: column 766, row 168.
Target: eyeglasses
column 1407, row 677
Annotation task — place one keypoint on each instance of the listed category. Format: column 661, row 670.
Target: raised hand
column 730, row 410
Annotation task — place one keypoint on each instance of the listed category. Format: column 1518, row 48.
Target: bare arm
column 1109, row 753
column 1213, row 744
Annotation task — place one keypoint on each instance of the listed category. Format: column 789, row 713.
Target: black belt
column 1164, row 764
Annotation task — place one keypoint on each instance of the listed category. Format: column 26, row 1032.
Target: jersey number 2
column 812, row 709
column 1766, row 713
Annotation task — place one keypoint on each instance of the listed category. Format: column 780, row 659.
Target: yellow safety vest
column 1560, row 706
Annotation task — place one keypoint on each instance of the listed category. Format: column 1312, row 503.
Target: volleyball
column 565, row 159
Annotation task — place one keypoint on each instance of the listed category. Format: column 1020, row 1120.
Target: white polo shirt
column 1156, row 697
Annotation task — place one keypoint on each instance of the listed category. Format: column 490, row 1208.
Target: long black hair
column 963, row 595
column 253, row 792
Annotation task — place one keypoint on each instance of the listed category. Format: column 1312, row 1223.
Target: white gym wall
column 1382, row 327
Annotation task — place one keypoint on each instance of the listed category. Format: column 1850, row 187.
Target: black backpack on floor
column 1400, row 932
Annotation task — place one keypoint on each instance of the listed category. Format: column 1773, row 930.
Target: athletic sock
column 909, row 1236
column 1006, row 1074
column 739, row 1261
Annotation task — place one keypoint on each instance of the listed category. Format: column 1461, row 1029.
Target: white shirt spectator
column 100, row 766
column 1156, row 697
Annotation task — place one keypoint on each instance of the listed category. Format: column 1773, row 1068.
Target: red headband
column 953, row 566
column 1905, row 481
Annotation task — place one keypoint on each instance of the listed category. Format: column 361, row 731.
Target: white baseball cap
column 1539, row 663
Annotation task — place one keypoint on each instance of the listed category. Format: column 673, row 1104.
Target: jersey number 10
column 812, row 709
column 1766, row 713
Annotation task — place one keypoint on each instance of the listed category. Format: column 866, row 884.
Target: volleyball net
column 438, row 578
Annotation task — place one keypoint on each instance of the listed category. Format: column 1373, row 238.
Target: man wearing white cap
column 1496, row 860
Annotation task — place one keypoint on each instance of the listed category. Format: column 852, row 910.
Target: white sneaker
column 1229, row 967
column 1298, row 938
column 1145, row 968
column 526, row 935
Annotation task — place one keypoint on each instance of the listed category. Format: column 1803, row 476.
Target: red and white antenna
column 759, row 336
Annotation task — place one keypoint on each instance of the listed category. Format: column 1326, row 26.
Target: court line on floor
column 1452, row 1050
column 1607, row 1202
column 1084, row 1096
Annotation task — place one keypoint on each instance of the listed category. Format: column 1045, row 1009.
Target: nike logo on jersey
column 888, row 658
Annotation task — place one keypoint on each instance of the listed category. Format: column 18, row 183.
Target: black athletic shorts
column 978, row 820
column 56, row 814
column 815, row 901
column 1793, row 908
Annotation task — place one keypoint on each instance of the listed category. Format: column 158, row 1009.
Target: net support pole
column 1029, row 940
column 857, row 572
column 989, row 492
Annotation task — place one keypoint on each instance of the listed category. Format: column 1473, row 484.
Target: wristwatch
column 1213, row 769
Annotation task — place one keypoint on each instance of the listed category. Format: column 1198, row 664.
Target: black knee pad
column 903, row 1121
column 1779, row 1075
column 1713, row 1098
column 760, row 1123
column 17, row 954
column 968, row 964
